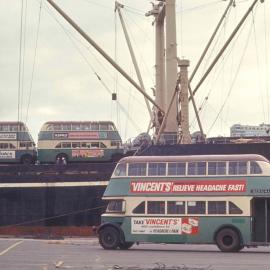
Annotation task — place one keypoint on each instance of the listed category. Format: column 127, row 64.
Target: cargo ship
column 65, row 199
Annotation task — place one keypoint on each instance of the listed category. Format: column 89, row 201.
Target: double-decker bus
column 219, row 199
column 16, row 143
column 79, row 142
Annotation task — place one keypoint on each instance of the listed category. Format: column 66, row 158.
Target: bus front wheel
column 228, row 240
column 26, row 160
column 126, row 245
column 109, row 238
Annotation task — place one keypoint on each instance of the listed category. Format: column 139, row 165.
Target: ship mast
column 168, row 92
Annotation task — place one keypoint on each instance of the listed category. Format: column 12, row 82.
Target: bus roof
column 11, row 123
column 242, row 157
column 78, row 122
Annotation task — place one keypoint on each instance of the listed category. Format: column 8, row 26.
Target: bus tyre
column 126, row 245
column 26, row 159
column 228, row 240
column 61, row 159
column 109, row 238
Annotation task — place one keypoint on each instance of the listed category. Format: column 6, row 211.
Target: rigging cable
column 201, row 6
column 23, row 59
column 216, row 72
column 233, row 82
column 266, row 62
column 258, row 67
column 34, row 64
column 118, row 122
column 20, row 62
column 146, row 37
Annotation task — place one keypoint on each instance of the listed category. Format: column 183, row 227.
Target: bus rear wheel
column 109, row 238
column 126, row 245
column 26, row 160
column 228, row 240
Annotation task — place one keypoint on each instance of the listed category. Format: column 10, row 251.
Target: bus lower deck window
column 175, row 207
column 196, row 207
column 216, row 207
column 234, row 209
column 139, row 209
column 156, row 207
column 115, row 206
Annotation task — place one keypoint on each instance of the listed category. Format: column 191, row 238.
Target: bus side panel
column 189, row 232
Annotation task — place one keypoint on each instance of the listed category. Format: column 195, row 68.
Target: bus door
column 261, row 220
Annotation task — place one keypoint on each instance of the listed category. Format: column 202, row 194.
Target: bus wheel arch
column 109, row 236
column 228, row 238
column 26, row 159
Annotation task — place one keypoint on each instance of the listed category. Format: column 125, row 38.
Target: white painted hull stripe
column 54, row 184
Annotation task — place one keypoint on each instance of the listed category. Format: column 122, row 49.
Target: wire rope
column 54, row 217
column 34, row 63
column 258, row 67
column 234, row 80
column 266, row 63
column 20, row 65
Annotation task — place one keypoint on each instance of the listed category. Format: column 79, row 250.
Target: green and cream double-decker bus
column 79, row 142
column 16, row 143
column 222, row 200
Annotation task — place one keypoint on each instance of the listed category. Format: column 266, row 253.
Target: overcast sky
column 65, row 87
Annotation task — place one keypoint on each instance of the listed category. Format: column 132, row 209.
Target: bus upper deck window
column 85, row 126
column 216, row 168
column 157, row 169
column 94, row 126
column 139, row 209
column 137, row 169
column 120, row 170
column 116, row 206
column 49, row 127
column 177, row 168
column 237, row 167
column 103, row 127
column 5, row 128
column 255, row 168
column 66, row 127
column 75, row 127
column 197, row 168
column 13, row 128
